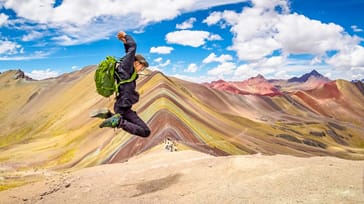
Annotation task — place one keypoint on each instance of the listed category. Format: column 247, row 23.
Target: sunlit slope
column 46, row 123
column 49, row 126
column 338, row 99
column 267, row 123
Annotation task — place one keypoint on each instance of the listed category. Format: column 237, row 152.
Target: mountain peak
column 306, row 76
column 15, row 74
column 315, row 73
column 19, row 74
column 259, row 76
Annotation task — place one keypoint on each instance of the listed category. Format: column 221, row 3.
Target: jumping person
column 124, row 116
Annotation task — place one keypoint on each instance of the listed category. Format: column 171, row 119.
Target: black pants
column 131, row 122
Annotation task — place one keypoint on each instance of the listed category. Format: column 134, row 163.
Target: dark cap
column 142, row 60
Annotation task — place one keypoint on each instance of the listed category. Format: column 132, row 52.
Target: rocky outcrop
column 19, row 74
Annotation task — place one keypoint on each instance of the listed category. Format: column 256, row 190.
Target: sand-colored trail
column 192, row 177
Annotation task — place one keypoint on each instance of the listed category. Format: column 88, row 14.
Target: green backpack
column 105, row 81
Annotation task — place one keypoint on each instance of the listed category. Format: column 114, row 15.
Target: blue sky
column 194, row 40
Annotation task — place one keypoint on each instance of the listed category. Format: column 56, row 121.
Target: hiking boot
column 112, row 122
column 101, row 113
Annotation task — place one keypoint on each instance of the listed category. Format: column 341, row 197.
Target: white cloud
column 346, row 58
column 272, row 62
column 3, row 19
column 271, row 5
column 262, row 29
column 75, row 67
column 161, row 50
column 32, row 36
column 77, row 22
column 349, row 73
column 357, row 72
column 213, row 18
column 160, row 64
column 196, row 78
column 42, row 74
column 264, row 67
column 193, row 38
column 276, row 67
column 213, row 58
column 212, row 37
column 254, row 49
column 34, row 55
column 191, row 68
column 244, row 71
column 188, row 24
column 166, row 63
column 298, row 35
column 316, row 60
column 222, row 69
column 354, row 27
column 222, row 18
column 268, row 27
column 158, row 60
column 8, row 47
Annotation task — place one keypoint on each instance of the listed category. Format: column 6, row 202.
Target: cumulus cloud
column 213, row 18
column 222, row 69
column 272, row 5
column 160, row 64
column 213, row 58
column 193, row 38
column 300, row 35
column 268, row 27
column 32, row 36
column 9, row 47
column 76, row 22
column 191, row 68
column 245, row 71
column 222, row 18
column 262, row 29
column 188, row 24
column 161, row 50
column 272, row 62
column 266, row 66
column 350, row 57
column 42, row 74
column 3, row 19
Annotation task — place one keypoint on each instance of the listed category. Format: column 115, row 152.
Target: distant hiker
column 170, row 145
column 124, row 116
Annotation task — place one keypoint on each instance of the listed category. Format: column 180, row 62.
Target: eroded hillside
column 46, row 124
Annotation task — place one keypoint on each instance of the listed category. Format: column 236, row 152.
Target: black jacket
column 127, row 95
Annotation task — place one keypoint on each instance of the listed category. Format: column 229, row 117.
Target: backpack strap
column 132, row 78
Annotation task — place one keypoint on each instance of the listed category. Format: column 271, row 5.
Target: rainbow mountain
column 46, row 125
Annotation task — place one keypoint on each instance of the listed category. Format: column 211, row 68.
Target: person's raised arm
column 127, row 64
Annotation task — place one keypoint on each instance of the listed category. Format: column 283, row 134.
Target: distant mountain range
column 46, row 123
column 307, row 76
column 260, row 86
column 253, row 86
column 358, row 80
